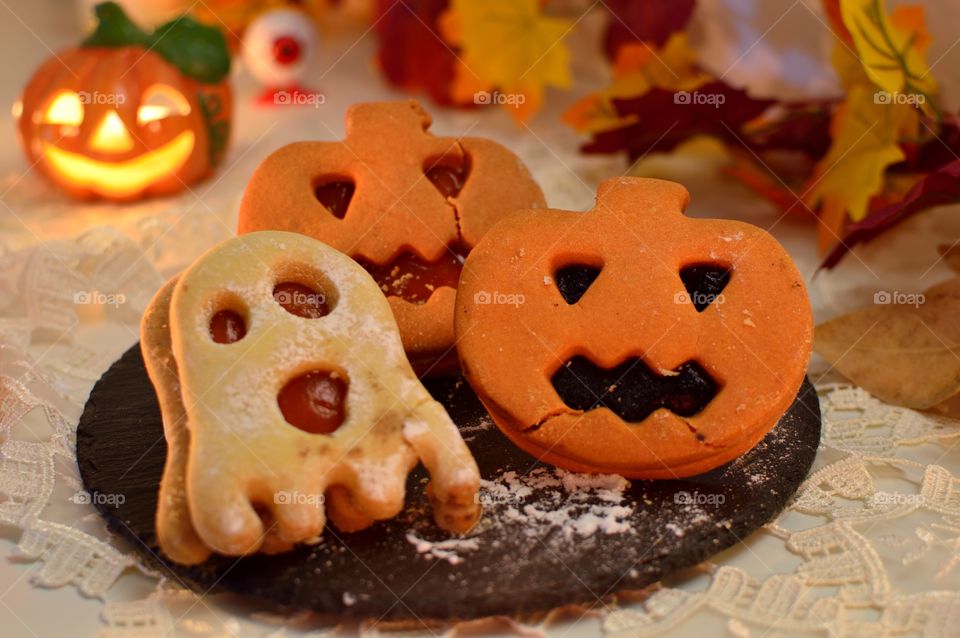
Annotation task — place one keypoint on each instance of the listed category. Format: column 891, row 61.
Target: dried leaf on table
column 936, row 189
column 902, row 353
column 651, row 21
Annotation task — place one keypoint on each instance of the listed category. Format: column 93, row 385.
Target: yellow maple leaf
column 891, row 48
column 638, row 68
column 866, row 136
column 512, row 45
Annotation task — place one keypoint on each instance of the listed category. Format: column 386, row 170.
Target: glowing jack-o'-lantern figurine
column 129, row 114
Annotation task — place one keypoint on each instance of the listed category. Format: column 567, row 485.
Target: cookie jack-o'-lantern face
column 643, row 342
column 405, row 204
column 121, row 123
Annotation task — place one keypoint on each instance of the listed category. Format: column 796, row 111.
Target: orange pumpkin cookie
column 405, row 204
column 631, row 338
column 286, row 396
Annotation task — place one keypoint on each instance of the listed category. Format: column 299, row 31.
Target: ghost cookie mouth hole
column 229, row 319
column 632, row 390
column 414, row 279
column 315, row 401
column 303, row 291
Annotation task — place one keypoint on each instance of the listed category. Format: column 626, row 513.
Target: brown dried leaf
column 902, row 350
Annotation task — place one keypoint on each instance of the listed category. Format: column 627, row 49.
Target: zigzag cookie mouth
column 632, row 390
column 414, row 279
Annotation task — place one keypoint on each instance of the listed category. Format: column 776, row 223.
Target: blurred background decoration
column 871, row 145
column 277, row 48
column 129, row 113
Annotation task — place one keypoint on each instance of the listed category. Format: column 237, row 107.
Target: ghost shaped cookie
column 297, row 400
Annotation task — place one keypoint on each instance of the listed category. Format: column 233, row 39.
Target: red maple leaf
column 940, row 187
column 663, row 119
column 650, row 21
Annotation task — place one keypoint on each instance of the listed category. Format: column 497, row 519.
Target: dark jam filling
column 448, row 180
column 631, row 390
column 574, row 280
column 300, row 300
column 227, row 327
column 704, row 283
column 335, row 196
column 414, row 279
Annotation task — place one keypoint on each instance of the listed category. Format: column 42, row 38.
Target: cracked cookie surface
column 403, row 202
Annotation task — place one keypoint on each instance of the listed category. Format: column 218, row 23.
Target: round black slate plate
column 516, row 566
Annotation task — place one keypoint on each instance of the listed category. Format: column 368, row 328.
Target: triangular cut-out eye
column 448, row 178
column 335, row 196
column 574, row 280
column 704, row 283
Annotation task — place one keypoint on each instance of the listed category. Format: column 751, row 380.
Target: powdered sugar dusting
column 448, row 550
column 551, row 505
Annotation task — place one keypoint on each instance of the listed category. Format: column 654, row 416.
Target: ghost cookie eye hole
column 228, row 319
column 334, row 192
column 448, row 174
column 303, row 291
column 705, row 283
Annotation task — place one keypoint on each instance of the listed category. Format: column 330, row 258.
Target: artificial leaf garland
column 413, row 54
column 940, row 187
column 854, row 156
column 638, row 68
column 651, row 22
